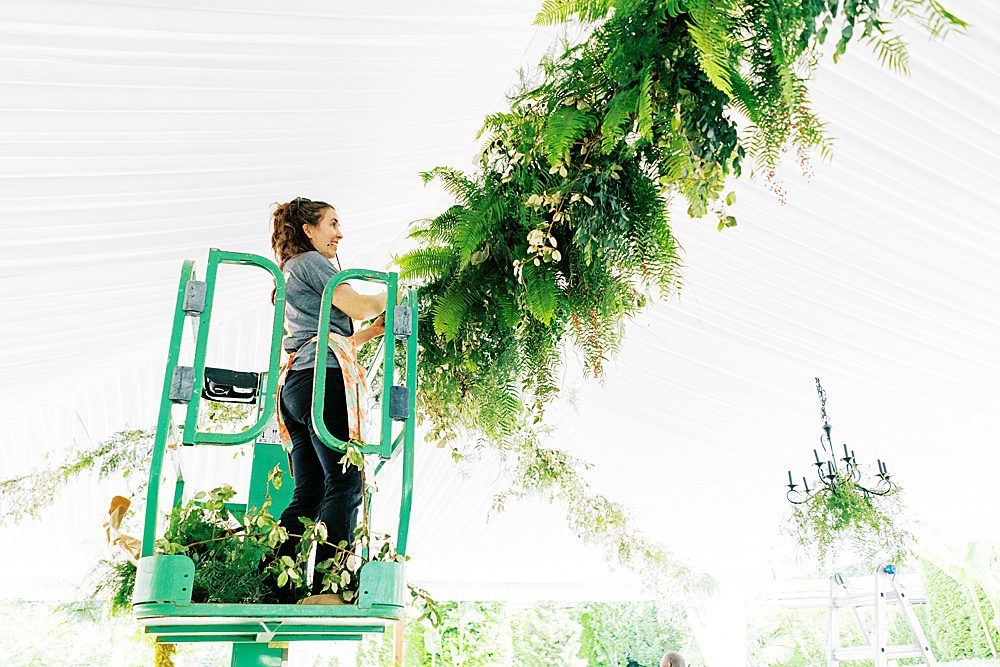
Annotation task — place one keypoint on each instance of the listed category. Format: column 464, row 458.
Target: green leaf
column 429, row 263
column 711, row 30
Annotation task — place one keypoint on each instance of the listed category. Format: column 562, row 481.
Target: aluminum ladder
column 881, row 591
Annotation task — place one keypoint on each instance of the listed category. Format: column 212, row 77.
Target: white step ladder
column 883, row 591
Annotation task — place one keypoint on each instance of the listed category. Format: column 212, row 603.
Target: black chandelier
column 830, row 473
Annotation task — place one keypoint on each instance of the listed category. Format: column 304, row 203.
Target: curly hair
column 287, row 237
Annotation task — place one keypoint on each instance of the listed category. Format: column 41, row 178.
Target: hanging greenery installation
column 561, row 234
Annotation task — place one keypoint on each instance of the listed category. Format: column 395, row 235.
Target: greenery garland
column 25, row 496
column 849, row 523
column 562, row 233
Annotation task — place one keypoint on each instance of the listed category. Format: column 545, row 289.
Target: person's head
column 302, row 225
column 672, row 659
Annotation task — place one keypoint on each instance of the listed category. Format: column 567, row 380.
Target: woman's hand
column 376, row 328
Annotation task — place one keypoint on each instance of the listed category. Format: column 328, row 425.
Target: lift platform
column 260, row 633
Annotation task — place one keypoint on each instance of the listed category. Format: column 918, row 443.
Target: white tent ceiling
column 135, row 135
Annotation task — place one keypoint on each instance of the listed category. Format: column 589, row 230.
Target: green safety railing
column 164, row 583
column 163, row 421
column 191, row 433
column 387, row 445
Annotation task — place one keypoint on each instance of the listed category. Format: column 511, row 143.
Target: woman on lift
column 305, row 236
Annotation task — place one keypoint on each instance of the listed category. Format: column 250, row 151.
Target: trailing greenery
column 596, row 519
column 848, row 522
column 125, row 451
column 562, row 232
column 27, row 495
column 116, row 583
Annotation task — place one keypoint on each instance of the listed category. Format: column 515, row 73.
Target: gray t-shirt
column 306, row 276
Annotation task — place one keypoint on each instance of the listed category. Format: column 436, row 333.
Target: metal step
column 863, row 599
column 868, row 653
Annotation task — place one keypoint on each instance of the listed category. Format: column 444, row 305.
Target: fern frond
column 743, row 98
column 675, row 7
column 565, row 126
column 427, row 263
column 471, row 234
column 440, row 229
column 711, row 28
column 618, row 119
column 644, row 105
column 931, row 15
column 540, row 292
column 891, row 52
column 507, row 312
column 453, row 181
column 502, row 404
column 560, row 11
column 451, row 310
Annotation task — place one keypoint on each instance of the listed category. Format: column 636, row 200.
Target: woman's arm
column 366, row 334
column 358, row 306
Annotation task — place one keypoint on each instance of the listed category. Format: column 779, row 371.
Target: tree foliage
column 561, row 234
column 604, row 634
column 959, row 614
column 546, row 635
column 620, row 634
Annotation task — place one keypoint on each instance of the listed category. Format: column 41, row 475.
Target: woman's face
column 325, row 235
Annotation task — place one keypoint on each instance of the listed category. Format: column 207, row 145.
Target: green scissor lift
column 260, row 632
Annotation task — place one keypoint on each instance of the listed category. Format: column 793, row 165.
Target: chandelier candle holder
column 832, row 471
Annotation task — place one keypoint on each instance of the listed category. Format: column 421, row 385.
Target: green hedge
column 494, row 633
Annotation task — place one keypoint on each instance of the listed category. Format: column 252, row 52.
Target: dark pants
column 322, row 490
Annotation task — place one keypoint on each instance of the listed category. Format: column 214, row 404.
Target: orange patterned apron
column 355, row 387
